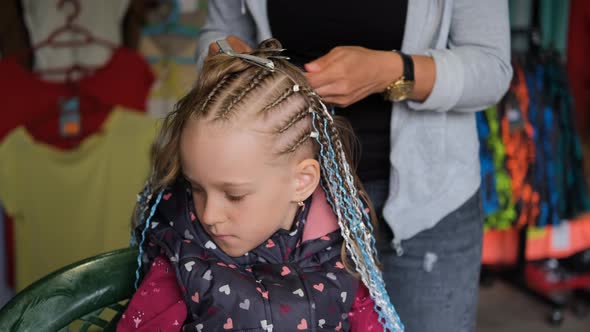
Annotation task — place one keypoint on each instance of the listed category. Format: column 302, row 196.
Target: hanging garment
column 520, row 19
column 504, row 216
column 169, row 43
column 554, row 24
column 578, row 48
column 543, row 170
column 125, row 80
column 571, row 191
column 517, row 136
column 174, row 75
column 488, row 177
column 70, row 205
column 102, row 18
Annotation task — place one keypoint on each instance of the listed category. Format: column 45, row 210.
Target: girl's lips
column 222, row 236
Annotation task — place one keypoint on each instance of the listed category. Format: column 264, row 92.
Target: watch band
column 401, row 89
column 408, row 66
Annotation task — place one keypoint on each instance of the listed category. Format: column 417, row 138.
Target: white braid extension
column 373, row 281
column 367, row 237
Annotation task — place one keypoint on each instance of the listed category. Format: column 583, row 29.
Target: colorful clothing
column 175, row 75
column 125, row 81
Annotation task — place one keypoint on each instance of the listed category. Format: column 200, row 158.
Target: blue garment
column 488, row 191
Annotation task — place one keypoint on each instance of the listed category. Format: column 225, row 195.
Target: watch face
column 401, row 90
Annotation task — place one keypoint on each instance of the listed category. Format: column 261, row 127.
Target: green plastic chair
column 89, row 295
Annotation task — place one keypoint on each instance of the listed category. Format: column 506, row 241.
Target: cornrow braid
column 288, row 93
column 294, row 119
column 214, row 91
column 300, row 140
column 262, row 75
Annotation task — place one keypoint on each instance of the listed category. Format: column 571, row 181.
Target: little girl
column 253, row 219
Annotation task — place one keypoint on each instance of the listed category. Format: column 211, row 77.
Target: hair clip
column 296, row 88
column 225, row 48
column 314, row 134
column 279, row 57
column 273, row 50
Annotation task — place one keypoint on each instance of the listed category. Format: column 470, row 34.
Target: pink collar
column 321, row 220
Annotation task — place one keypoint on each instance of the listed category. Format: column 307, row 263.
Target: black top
column 310, row 29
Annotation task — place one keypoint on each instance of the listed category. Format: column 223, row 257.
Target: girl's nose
column 212, row 213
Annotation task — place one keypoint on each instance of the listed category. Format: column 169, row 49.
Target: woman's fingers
column 236, row 43
column 213, row 49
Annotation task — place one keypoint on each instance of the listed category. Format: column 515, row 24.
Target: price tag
column 514, row 114
column 560, row 236
column 69, row 120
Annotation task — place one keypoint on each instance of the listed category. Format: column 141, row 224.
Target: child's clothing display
column 70, row 205
column 175, row 76
column 125, row 80
column 293, row 281
column 53, row 135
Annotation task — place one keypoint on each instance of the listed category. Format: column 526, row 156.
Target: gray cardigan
column 434, row 144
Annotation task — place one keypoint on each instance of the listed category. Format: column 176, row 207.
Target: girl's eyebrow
column 226, row 184
column 223, row 184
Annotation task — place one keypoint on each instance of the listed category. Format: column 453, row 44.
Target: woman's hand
column 236, row 43
column 348, row 74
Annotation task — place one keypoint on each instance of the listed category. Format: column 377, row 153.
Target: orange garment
column 520, row 154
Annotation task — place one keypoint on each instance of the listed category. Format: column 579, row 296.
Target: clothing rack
column 525, row 275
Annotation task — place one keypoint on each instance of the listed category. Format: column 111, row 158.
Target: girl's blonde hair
column 281, row 100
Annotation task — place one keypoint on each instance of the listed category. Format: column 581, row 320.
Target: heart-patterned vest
column 281, row 285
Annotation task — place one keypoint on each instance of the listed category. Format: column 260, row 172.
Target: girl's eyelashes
column 231, row 197
column 234, row 198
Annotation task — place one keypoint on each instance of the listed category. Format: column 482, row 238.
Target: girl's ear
column 307, row 178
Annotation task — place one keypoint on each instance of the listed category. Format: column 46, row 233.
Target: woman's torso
column 310, row 29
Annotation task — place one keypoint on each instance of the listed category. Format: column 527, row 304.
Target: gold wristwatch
column 402, row 88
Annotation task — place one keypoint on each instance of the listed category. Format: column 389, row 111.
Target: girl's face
column 242, row 193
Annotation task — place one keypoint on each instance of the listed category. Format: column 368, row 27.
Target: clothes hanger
column 85, row 38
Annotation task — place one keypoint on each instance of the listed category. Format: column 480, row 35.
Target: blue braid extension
column 328, row 157
column 349, row 215
column 147, row 225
